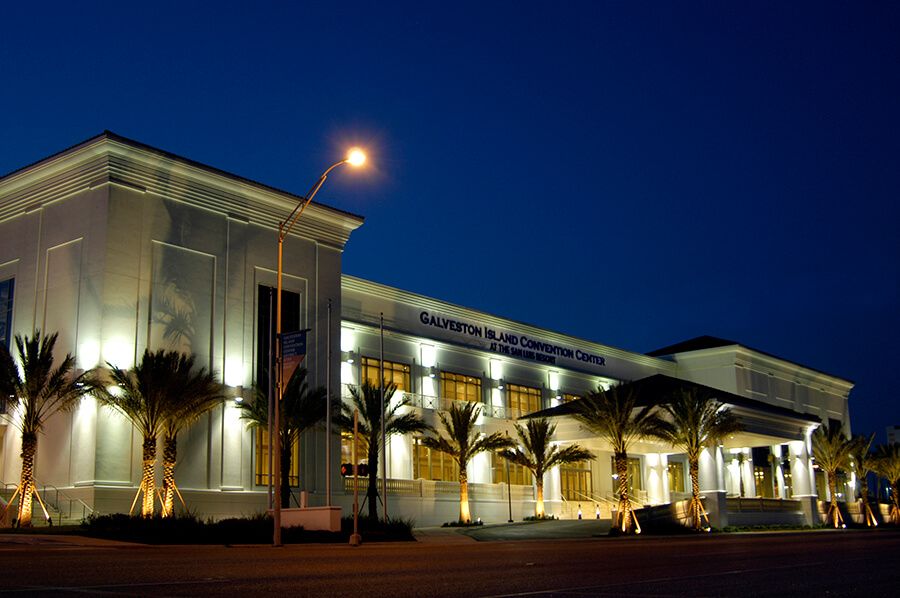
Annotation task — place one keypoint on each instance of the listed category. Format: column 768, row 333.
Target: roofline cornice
column 744, row 356
column 110, row 159
column 353, row 283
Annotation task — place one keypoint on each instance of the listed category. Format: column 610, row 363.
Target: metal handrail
column 635, row 501
column 58, row 494
column 86, row 509
column 597, row 499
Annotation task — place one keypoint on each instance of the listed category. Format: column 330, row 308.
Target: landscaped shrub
column 189, row 529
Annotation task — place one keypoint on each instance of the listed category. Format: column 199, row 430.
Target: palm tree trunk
column 895, row 502
column 695, row 509
column 834, row 513
column 170, row 453
column 26, row 498
column 372, row 490
column 465, row 515
column 865, row 510
column 148, row 481
column 285, row 474
column 539, row 505
column 624, row 516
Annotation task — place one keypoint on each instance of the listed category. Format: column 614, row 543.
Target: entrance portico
column 762, row 474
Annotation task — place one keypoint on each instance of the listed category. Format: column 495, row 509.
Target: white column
column 747, row 474
column 712, row 485
column 657, row 480
column 801, row 470
column 551, row 486
column 780, row 491
column 712, row 466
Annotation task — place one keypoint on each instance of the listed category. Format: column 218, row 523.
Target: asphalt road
column 842, row 563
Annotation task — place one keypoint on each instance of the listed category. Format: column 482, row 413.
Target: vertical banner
column 293, row 351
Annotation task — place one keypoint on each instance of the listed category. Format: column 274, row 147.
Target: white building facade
column 120, row 247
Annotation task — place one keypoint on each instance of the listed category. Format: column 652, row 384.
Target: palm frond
column 459, row 437
column 35, row 387
column 692, row 420
column 614, row 415
column 832, row 448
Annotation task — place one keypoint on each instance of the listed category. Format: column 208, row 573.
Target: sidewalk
column 522, row 530
column 59, row 541
column 442, row 535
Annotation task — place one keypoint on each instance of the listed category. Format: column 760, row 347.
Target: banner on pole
column 293, row 352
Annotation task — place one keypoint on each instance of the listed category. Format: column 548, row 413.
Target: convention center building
column 111, row 242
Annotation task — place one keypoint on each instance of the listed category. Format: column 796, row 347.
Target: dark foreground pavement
column 841, row 563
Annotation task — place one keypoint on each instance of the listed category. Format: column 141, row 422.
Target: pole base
column 355, row 539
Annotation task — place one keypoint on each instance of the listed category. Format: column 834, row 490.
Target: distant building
column 108, row 241
column 893, row 434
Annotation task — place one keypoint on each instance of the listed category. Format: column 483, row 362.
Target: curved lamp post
column 355, row 157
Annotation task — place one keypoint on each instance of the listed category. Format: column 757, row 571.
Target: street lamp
column 355, row 157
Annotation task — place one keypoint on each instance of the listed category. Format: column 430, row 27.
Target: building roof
column 695, row 344
column 109, row 135
column 701, row 343
column 653, row 390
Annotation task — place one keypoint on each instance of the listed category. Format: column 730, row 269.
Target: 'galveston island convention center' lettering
column 514, row 345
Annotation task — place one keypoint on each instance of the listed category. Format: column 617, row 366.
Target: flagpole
column 328, row 409
column 271, row 398
column 383, row 443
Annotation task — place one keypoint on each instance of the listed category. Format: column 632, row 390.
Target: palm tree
column 39, row 392
column 301, row 409
column 692, row 421
column 142, row 395
column 611, row 415
column 462, row 441
column 539, row 455
column 887, row 464
column 831, row 450
column 366, row 398
column 192, row 393
column 863, row 459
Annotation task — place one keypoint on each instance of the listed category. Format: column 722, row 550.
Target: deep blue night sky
column 632, row 174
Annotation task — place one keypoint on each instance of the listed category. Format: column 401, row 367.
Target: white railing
column 434, row 403
column 432, row 488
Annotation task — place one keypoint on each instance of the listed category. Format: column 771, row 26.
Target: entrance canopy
column 763, row 423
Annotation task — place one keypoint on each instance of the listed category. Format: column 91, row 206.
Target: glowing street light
column 356, row 158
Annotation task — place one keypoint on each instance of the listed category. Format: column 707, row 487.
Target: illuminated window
column 519, row 475
column 821, row 484
column 398, row 373
column 6, row 310
column 433, row 465
column 675, row 471
column 262, row 460
column 575, row 481
column 788, row 480
column 634, row 474
column 459, row 387
column 362, row 449
column 522, row 400
column 763, row 478
column 762, row 472
column 290, row 321
column 568, row 398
